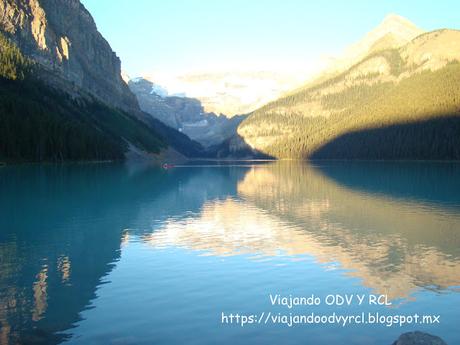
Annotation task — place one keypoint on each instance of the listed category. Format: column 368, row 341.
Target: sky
column 181, row 36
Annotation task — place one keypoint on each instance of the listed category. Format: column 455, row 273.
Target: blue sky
column 183, row 35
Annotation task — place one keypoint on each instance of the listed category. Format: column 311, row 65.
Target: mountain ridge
column 400, row 29
column 383, row 36
column 185, row 114
column 62, row 37
column 299, row 124
column 63, row 96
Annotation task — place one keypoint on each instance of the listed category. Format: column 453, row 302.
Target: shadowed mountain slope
column 408, row 86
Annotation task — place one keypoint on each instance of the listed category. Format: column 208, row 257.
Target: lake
column 119, row 254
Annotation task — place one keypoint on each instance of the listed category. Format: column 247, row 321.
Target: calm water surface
column 113, row 254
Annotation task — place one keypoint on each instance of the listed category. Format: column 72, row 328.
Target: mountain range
column 395, row 95
column 62, row 95
column 393, row 32
column 232, row 92
column 184, row 114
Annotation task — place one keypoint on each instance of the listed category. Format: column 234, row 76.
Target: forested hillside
column 394, row 104
column 39, row 123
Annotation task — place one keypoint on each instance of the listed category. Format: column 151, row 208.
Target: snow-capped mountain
column 183, row 113
column 231, row 92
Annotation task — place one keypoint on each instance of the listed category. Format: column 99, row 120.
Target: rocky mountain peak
column 394, row 31
column 399, row 26
column 395, row 19
column 399, row 29
column 62, row 37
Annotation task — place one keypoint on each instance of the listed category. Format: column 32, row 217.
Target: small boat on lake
column 168, row 166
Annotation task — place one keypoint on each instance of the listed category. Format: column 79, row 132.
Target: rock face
column 62, row 37
column 184, row 114
column 418, row 338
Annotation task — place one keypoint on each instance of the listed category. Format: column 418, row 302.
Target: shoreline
column 228, row 160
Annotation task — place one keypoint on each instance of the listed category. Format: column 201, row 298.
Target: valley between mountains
column 393, row 95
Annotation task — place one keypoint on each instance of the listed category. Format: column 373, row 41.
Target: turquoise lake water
column 116, row 254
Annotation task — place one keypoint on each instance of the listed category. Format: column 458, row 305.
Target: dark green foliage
column 13, row 65
column 354, row 96
column 362, row 108
column 179, row 141
column 38, row 123
column 41, row 124
column 392, row 56
column 437, row 138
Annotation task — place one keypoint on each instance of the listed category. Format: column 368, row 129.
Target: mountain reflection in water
column 76, row 240
column 394, row 245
